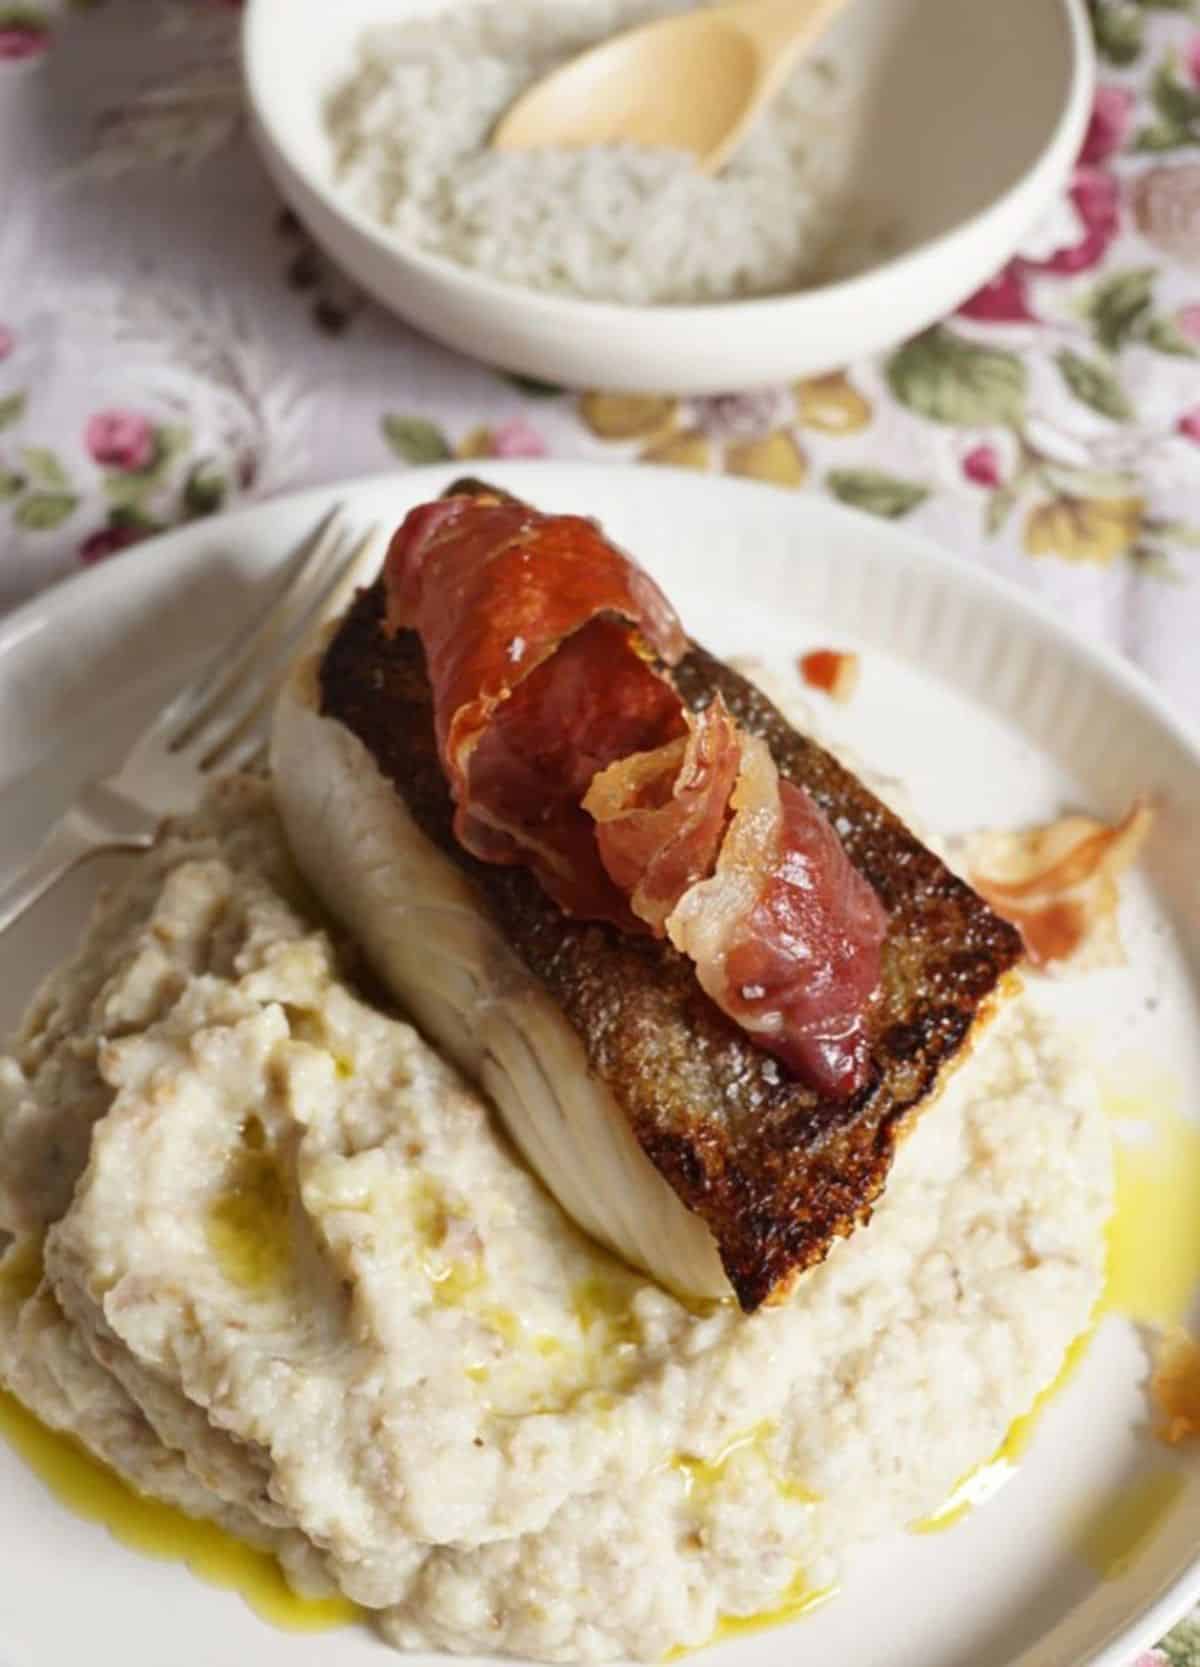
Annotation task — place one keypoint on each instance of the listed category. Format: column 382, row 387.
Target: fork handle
column 72, row 838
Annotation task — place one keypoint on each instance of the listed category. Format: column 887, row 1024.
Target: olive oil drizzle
column 1151, row 1276
column 1154, row 1254
column 98, row 1494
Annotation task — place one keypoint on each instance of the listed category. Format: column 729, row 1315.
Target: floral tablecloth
column 171, row 343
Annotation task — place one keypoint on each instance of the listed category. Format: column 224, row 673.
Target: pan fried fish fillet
column 653, row 1118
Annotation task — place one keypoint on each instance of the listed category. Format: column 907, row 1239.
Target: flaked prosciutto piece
column 1057, row 883
column 546, row 649
column 787, row 935
column 661, row 816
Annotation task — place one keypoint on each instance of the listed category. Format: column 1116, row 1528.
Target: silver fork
column 219, row 720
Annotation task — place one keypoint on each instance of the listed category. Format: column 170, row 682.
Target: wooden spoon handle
column 781, row 29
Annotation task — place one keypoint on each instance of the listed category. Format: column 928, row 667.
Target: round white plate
column 989, row 710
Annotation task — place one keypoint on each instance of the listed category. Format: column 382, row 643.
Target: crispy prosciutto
column 568, row 749
column 786, row 934
column 661, row 816
column 547, row 650
column 1057, row 883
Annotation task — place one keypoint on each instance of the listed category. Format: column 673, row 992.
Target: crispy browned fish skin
column 775, row 1172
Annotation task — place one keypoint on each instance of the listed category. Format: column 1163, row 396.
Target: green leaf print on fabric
column 1119, row 30
column 121, row 488
column 12, row 408
column 876, row 492
column 1071, row 481
column 132, row 518
column 1176, row 101
column 169, row 440
column 1120, row 307
column 1181, row 1646
column 1095, row 384
column 945, row 377
column 531, row 385
column 1165, row 336
column 43, row 467
column 39, row 490
column 415, row 439
column 204, row 490
column 999, row 507
column 43, row 511
column 23, row 17
column 1120, row 310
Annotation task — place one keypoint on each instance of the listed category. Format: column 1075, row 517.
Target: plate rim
column 919, row 547
column 1146, row 1624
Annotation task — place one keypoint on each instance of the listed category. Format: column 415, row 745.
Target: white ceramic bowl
column 965, row 122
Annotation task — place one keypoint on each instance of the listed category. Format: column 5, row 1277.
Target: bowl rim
column 1056, row 156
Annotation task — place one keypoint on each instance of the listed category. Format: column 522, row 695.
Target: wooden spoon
column 693, row 82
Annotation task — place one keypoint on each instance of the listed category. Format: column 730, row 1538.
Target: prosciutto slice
column 786, row 935
column 568, row 748
column 661, row 816
column 1057, row 883
column 546, row 649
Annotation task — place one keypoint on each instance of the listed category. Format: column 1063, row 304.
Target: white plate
column 963, row 121
column 992, row 713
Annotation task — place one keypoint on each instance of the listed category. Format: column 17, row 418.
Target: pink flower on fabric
column 120, row 440
column 981, row 466
column 22, row 40
column 1188, row 320
column 1191, row 58
column 106, row 541
column 1151, row 1658
column 1166, row 206
column 517, row 438
column 1096, row 198
column 1112, row 112
column 7, row 341
column 1189, row 425
column 1003, row 301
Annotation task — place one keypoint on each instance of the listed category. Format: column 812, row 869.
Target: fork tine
column 246, row 700
column 250, row 752
column 189, row 708
column 164, row 731
column 353, row 572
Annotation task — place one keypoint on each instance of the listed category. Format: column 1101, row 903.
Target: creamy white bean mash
column 271, row 1259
